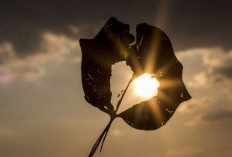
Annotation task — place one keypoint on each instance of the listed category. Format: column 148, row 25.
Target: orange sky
column 42, row 107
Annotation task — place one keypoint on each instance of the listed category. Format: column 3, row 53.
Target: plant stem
column 105, row 131
column 120, row 101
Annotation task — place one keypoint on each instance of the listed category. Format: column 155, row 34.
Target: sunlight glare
column 146, row 85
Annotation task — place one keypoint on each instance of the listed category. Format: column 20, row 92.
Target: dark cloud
column 222, row 72
column 211, row 117
column 226, row 71
column 217, row 116
column 188, row 23
column 216, row 75
column 217, row 65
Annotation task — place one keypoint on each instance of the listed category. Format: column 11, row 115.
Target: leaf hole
column 141, row 89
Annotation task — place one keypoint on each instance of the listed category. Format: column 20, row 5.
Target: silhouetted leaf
column 98, row 55
column 151, row 53
column 156, row 53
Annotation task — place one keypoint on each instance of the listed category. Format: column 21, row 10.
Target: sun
column 146, row 85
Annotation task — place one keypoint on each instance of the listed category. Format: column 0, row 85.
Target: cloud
column 207, row 79
column 217, row 116
column 196, row 105
column 215, row 66
column 219, row 64
column 204, row 111
column 196, row 121
column 227, row 90
column 54, row 49
column 6, row 52
column 183, row 152
column 210, row 117
column 24, row 22
column 217, row 57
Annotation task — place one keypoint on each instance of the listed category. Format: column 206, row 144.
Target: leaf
column 151, row 53
column 155, row 50
column 98, row 56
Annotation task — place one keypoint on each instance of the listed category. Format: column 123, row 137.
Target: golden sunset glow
column 146, row 86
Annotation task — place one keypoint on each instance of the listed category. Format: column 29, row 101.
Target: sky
column 43, row 111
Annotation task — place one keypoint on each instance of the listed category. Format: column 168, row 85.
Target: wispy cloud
column 212, row 117
column 217, row 64
column 196, row 105
column 183, row 152
column 53, row 49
